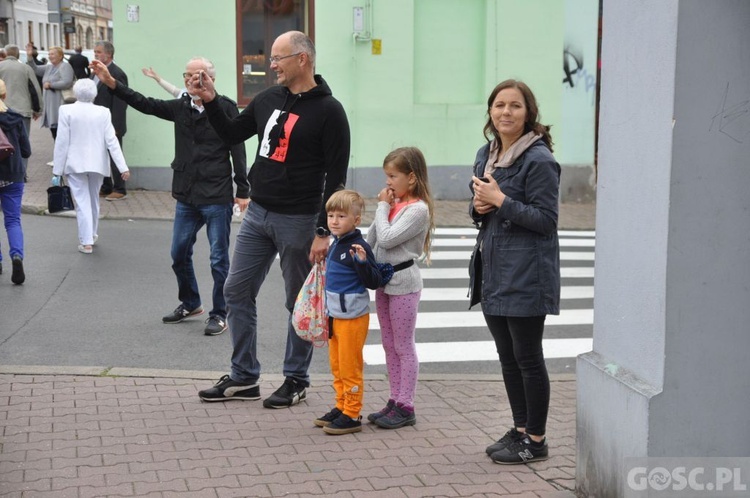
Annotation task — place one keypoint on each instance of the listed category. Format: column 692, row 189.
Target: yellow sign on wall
column 377, row 48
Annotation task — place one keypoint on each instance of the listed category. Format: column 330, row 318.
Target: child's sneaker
column 400, row 416
column 388, row 407
column 327, row 418
column 522, row 451
column 343, row 425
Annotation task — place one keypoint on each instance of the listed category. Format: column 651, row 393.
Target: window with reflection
column 259, row 22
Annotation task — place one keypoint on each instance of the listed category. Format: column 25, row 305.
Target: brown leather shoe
column 116, row 196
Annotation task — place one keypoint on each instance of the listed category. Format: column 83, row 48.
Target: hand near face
column 201, row 85
column 487, row 195
column 386, row 195
column 101, row 72
column 358, row 252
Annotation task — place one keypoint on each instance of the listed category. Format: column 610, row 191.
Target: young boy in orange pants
column 350, row 271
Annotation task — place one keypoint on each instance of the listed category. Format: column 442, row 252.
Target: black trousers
column 114, row 183
column 519, row 347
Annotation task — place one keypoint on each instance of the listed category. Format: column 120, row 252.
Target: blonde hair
column 59, row 51
column 346, row 201
column 3, row 91
column 411, row 160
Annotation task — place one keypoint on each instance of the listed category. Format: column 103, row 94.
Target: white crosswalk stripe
column 444, row 304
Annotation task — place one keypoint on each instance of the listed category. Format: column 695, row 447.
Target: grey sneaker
column 227, row 389
column 180, row 313
column 388, row 407
column 396, row 418
column 509, row 437
column 215, row 325
column 289, row 394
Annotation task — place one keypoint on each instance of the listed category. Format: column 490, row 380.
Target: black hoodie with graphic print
column 303, row 147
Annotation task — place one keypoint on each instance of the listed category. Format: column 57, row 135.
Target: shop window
column 259, row 22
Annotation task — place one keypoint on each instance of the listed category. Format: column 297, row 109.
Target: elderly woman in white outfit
column 84, row 135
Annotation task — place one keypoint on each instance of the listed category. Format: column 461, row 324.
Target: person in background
column 22, row 86
column 400, row 234
column 113, row 188
column 35, row 56
column 350, row 270
column 12, row 179
column 301, row 160
column 166, row 85
column 515, row 267
column 85, row 142
column 202, row 187
column 3, row 55
column 80, row 64
column 56, row 76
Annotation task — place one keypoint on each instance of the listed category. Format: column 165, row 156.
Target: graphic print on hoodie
column 276, row 136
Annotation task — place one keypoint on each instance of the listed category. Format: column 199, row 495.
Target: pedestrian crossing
column 449, row 334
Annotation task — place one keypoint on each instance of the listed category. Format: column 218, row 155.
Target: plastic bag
column 309, row 317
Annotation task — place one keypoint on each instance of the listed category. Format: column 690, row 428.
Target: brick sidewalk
column 92, row 435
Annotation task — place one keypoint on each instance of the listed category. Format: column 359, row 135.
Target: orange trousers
column 347, row 364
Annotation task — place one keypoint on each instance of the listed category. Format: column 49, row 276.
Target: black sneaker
column 289, row 394
column 180, row 313
column 327, row 418
column 396, row 418
column 227, row 389
column 18, row 276
column 388, row 407
column 343, row 425
column 509, row 437
column 216, row 325
column 522, row 451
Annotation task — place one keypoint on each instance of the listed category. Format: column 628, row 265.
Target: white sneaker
column 50, row 164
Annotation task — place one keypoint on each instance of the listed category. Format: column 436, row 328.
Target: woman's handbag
column 59, row 198
column 68, row 96
column 6, row 148
column 309, row 317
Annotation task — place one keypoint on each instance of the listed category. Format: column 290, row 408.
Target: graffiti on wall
column 731, row 119
column 577, row 75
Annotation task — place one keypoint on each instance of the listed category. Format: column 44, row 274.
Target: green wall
column 439, row 61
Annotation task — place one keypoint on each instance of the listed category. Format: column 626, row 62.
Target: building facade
column 408, row 72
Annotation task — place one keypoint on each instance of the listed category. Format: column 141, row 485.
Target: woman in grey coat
column 57, row 75
column 515, row 267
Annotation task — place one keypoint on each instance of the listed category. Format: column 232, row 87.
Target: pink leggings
column 398, row 319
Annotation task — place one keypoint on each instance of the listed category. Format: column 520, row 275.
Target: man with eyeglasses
column 302, row 158
column 201, row 185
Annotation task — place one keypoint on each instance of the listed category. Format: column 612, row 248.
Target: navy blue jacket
column 517, row 271
column 347, row 278
column 13, row 168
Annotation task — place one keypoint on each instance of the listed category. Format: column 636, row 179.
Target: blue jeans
column 262, row 236
column 188, row 220
column 10, row 201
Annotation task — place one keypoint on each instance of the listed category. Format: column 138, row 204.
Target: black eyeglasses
column 276, row 58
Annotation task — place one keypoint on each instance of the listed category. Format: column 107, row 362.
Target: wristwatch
column 322, row 232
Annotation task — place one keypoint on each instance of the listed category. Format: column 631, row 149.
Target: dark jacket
column 303, row 153
column 202, row 172
column 80, row 65
column 347, row 278
column 517, row 270
column 13, row 168
column 106, row 98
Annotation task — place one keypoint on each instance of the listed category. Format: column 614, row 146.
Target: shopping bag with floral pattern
column 309, row 317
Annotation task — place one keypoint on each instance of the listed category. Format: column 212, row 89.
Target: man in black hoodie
column 302, row 158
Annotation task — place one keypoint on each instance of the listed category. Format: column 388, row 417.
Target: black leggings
column 519, row 346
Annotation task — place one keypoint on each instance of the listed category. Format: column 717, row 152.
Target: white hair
column 85, row 90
